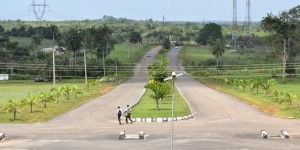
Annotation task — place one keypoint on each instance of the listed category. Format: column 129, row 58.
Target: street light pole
column 173, row 82
column 173, row 77
column 53, row 60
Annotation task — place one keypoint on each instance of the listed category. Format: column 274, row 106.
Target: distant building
column 58, row 50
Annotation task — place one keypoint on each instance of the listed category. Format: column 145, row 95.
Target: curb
column 148, row 120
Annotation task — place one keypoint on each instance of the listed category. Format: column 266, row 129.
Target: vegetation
column 146, row 108
column 46, row 104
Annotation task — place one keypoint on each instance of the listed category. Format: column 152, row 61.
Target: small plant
column 75, row 90
column 66, row 90
column 267, row 84
column 289, row 97
column 30, row 100
column 12, row 106
column 44, row 98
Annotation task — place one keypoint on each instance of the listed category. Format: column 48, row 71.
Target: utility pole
column 234, row 24
column 53, row 61
column 248, row 31
column 164, row 21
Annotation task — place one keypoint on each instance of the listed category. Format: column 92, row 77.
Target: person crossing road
column 128, row 113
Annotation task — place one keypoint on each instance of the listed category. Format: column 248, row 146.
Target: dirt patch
column 214, row 87
column 271, row 109
column 106, row 89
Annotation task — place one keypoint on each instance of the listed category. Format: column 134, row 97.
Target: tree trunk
column 15, row 114
column 217, row 64
column 30, row 108
column 157, row 104
column 284, row 58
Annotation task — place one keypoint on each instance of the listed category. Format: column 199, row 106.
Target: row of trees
column 265, row 84
column 284, row 35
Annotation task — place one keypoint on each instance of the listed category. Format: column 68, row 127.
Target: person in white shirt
column 128, row 113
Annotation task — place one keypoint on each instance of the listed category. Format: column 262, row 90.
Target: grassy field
column 266, row 103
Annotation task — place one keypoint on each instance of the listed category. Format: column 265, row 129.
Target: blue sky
column 173, row 10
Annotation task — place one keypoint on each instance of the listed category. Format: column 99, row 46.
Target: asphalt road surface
column 220, row 122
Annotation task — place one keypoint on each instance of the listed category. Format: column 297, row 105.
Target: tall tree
column 159, row 70
column 72, row 40
column 209, row 33
column 283, row 34
column 134, row 37
column 217, row 50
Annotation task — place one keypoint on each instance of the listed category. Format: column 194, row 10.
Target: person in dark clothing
column 128, row 113
column 119, row 113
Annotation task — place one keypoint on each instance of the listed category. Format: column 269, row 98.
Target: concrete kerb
column 147, row 120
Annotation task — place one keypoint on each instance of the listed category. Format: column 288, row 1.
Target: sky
column 172, row 10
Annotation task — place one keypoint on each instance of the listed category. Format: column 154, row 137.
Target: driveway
column 220, row 121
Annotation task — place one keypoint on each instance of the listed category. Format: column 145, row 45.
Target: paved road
column 221, row 122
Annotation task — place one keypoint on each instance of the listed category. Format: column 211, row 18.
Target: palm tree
column 44, row 98
column 289, row 97
column 12, row 106
column 30, row 100
column 75, row 90
column 217, row 50
column 267, row 84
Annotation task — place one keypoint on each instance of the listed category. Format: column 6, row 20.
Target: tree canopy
column 210, row 32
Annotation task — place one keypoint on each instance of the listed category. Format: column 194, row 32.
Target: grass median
column 146, row 108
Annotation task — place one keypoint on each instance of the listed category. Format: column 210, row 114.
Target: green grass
column 146, row 108
column 195, row 54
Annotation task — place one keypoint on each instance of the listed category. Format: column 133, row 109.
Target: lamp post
column 173, row 77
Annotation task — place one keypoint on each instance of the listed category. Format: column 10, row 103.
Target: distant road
column 220, row 121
